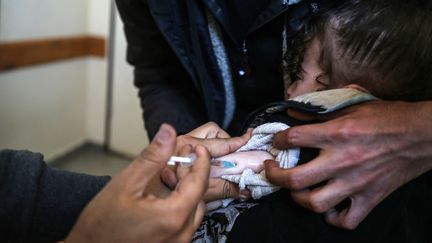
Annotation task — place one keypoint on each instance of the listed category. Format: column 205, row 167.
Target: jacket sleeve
column 39, row 203
column 166, row 91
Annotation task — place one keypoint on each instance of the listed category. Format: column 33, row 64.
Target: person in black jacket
column 192, row 57
column 200, row 61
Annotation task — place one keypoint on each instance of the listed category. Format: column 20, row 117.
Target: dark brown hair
column 382, row 45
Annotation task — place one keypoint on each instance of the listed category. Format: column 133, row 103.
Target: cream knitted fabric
column 262, row 139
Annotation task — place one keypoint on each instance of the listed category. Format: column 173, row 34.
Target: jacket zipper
column 244, row 64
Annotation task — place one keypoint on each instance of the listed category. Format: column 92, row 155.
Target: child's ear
column 357, row 87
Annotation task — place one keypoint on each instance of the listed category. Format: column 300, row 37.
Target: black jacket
column 175, row 67
column 39, row 203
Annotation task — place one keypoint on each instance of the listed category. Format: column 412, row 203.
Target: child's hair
column 382, row 45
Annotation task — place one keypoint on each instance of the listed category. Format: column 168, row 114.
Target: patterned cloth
column 217, row 224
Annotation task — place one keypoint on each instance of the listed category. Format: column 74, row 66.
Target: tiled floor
column 92, row 159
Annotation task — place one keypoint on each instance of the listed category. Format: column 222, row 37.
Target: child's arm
column 250, row 159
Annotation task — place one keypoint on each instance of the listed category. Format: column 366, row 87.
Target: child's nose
column 291, row 90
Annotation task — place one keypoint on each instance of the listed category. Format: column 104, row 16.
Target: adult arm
column 39, row 203
column 126, row 211
column 166, row 91
column 367, row 152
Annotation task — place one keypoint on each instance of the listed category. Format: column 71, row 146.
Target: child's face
column 311, row 78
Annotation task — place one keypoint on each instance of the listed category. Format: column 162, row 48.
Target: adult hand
column 124, row 211
column 367, row 152
column 218, row 143
column 208, row 131
column 214, row 138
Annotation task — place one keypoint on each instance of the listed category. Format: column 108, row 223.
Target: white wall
column 127, row 129
column 97, row 24
column 128, row 134
column 42, row 107
column 53, row 108
column 22, row 19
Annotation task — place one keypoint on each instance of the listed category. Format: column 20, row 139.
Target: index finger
column 311, row 116
column 299, row 177
column 218, row 146
column 311, row 136
column 190, row 189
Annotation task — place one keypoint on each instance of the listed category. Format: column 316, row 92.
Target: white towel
column 262, row 140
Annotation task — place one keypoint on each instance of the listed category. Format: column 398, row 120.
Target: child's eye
column 323, row 82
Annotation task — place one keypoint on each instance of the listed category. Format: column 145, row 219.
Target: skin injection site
column 216, row 121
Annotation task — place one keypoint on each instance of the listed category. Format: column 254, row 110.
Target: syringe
column 188, row 161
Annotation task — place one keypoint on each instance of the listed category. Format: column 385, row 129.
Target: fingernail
column 163, row 135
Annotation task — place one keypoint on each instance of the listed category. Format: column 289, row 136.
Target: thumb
column 151, row 160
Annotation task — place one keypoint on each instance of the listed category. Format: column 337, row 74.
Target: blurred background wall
column 55, row 107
